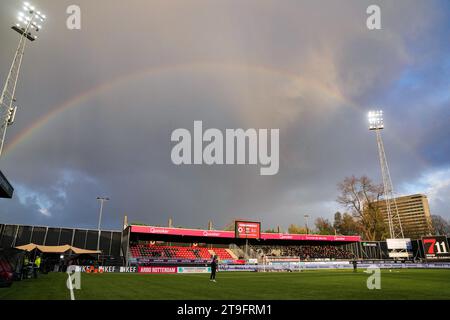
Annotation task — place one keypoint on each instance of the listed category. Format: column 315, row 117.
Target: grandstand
column 6, row 272
column 150, row 245
column 279, row 265
column 306, row 252
column 138, row 245
column 10, row 265
column 151, row 250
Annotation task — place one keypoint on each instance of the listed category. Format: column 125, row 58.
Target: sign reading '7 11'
column 436, row 247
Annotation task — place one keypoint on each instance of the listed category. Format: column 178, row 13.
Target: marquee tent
column 56, row 249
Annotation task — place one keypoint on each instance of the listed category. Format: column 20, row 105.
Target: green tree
column 349, row 226
column 324, row 226
column 273, row 230
column 137, row 223
column 295, row 229
column 337, row 224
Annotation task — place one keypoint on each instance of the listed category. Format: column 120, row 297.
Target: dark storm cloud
column 313, row 71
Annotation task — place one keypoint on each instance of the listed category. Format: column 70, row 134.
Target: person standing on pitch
column 214, row 266
column 37, row 266
column 355, row 266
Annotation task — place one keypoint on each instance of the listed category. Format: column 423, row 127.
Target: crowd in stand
column 306, row 252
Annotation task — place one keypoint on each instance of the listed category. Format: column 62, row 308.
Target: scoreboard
column 247, row 230
column 435, row 247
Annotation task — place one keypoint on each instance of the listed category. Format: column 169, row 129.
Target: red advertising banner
column 248, row 230
column 158, row 270
column 183, row 232
column 231, row 234
column 311, row 237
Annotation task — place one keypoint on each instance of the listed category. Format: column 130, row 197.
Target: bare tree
column 360, row 197
column 440, row 226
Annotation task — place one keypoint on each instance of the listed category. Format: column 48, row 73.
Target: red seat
column 191, row 253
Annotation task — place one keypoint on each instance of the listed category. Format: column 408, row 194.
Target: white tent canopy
column 56, row 249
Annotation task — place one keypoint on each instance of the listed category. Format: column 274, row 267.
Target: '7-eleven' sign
column 436, row 247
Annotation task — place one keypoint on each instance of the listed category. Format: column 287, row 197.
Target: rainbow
column 42, row 121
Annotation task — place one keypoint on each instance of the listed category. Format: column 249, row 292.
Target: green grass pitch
column 321, row 284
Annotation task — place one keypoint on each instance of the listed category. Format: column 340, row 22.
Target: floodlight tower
column 102, row 202
column 306, row 216
column 376, row 123
column 28, row 22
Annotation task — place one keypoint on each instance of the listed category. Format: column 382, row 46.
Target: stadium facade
column 149, row 245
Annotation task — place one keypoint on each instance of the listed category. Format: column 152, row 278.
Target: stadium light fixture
column 28, row 22
column 376, row 120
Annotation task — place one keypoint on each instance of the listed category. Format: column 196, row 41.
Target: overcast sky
column 98, row 106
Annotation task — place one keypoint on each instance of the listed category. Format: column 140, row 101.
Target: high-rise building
column 414, row 213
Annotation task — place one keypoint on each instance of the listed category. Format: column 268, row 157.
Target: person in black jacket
column 214, row 266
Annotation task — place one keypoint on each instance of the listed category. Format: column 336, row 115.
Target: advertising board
column 248, row 230
column 435, row 248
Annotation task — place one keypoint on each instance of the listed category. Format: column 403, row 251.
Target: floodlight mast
column 28, row 22
column 102, row 203
column 376, row 123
